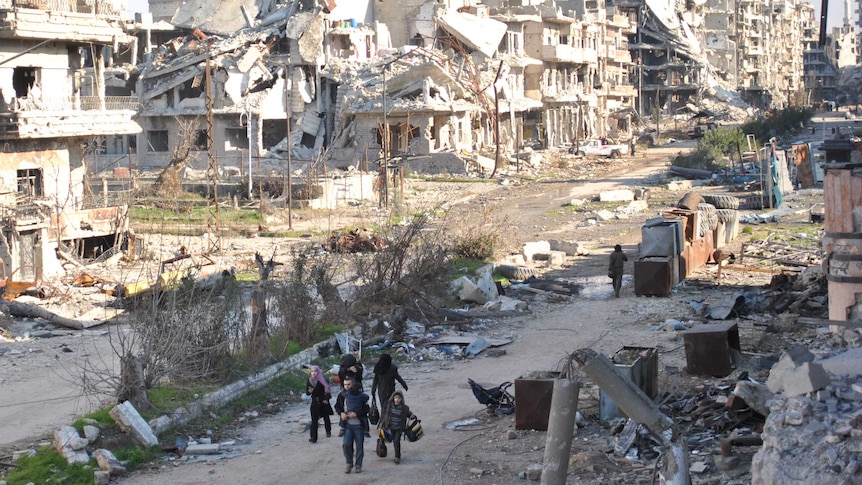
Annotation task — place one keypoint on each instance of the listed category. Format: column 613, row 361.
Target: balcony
column 97, row 7
column 567, row 53
column 62, row 22
column 69, row 116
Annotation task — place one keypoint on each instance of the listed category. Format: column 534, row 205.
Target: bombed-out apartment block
column 54, row 101
column 820, row 73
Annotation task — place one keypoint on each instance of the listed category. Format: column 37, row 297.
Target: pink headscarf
column 320, row 379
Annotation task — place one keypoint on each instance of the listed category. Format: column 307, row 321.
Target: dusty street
column 460, row 437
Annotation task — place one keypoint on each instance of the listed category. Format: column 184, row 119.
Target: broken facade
column 820, row 74
column 53, row 102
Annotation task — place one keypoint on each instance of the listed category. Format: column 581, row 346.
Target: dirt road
column 274, row 449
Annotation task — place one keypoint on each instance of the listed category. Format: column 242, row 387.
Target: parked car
column 600, row 148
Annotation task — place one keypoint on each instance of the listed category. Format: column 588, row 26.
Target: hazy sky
column 835, row 15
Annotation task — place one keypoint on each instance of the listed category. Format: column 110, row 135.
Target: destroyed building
column 54, row 101
column 821, row 74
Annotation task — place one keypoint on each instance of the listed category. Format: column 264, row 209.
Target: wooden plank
column 823, row 321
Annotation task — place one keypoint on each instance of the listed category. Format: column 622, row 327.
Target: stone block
column 64, row 438
column 570, row 248
column 533, row 247
column 210, row 449
column 108, row 462
column 534, row 472
column 91, row 433
column 604, row 216
column 621, row 195
column 101, row 477
column 806, row 378
column 514, row 260
column 130, row 421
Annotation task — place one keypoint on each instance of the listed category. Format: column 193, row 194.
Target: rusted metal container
column 640, row 364
column 707, row 348
column 533, row 403
column 654, row 276
column 842, row 241
column 661, row 237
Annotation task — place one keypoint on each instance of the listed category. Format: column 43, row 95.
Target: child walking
column 394, row 418
column 319, row 391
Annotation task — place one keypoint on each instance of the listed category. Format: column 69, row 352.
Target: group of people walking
column 352, row 406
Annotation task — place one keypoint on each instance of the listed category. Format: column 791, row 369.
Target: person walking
column 351, row 368
column 320, row 393
column 394, row 418
column 615, row 268
column 385, row 375
column 353, row 411
column 633, row 143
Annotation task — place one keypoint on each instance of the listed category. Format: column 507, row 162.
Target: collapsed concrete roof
column 222, row 17
column 482, row 34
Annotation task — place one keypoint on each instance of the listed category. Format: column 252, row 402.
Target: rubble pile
column 355, row 241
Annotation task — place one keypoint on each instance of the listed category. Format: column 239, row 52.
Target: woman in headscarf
column 320, row 394
column 385, row 375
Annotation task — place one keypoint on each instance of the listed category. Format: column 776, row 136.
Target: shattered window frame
column 158, row 141
column 29, row 182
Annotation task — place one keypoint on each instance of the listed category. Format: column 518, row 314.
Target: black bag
column 413, row 430
column 374, row 413
column 381, row 448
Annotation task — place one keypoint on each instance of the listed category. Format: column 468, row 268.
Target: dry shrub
column 409, row 273
column 482, row 238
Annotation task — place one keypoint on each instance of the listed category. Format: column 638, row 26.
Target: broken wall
column 47, row 66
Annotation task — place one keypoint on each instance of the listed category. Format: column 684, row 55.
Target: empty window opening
column 30, row 182
column 157, row 141
column 200, row 140
column 23, row 78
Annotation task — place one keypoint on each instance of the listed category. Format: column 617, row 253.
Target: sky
column 835, row 16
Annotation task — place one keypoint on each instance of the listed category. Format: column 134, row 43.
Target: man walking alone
column 615, row 268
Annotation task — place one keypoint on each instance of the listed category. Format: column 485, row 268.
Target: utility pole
column 213, row 223
column 385, row 145
column 289, row 175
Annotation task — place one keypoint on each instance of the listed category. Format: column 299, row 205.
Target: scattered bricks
column 476, row 472
column 823, row 395
column 698, row 467
column 534, row 472
column 210, row 449
column 793, row 418
column 856, row 386
column 512, row 434
column 843, row 430
column 533, row 247
column 848, row 395
column 830, row 455
column 833, row 439
column 852, row 468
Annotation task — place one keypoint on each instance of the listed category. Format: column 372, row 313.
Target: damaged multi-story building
column 53, row 104
column 821, row 74
column 418, row 76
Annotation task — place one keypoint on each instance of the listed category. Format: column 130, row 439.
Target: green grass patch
column 171, row 396
column 101, row 416
column 47, row 466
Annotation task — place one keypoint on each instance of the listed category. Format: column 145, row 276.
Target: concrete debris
column 128, row 420
column 70, row 445
column 109, row 463
column 355, row 241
